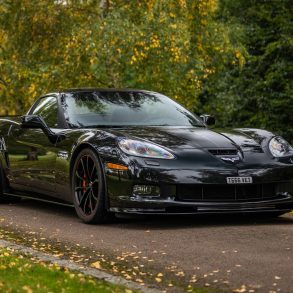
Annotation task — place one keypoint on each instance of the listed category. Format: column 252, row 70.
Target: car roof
column 77, row 90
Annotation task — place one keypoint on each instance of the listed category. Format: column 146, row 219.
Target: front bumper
column 282, row 203
column 274, row 180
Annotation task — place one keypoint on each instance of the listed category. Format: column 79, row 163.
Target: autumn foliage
column 187, row 49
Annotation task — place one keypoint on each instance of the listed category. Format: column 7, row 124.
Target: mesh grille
column 228, row 192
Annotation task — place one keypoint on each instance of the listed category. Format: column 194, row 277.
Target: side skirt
column 52, row 201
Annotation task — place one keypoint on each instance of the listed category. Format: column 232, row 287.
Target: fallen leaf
column 277, row 277
column 96, row 265
column 242, row 289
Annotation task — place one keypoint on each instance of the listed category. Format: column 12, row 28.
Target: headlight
column 279, row 147
column 144, row 149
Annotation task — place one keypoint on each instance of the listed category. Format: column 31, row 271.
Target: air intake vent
column 224, row 152
column 226, row 192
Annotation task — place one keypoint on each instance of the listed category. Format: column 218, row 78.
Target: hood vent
column 224, row 152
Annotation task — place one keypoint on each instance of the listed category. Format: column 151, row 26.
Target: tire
column 88, row 188
column 3, row 186
column 3, row 198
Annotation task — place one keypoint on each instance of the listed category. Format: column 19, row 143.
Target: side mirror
column 36, row 121
column 207, row 119
column 33, row 121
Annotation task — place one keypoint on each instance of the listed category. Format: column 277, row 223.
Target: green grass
column 20, row 274
column 109, row 263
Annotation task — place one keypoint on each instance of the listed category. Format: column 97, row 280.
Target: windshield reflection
column 124, row 108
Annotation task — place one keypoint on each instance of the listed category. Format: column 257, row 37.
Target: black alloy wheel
column 88, row 188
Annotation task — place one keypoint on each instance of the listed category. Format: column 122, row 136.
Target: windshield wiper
column 104, row 126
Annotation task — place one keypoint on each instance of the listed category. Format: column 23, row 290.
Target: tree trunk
column 104, row 6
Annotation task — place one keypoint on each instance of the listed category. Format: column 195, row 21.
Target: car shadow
column 202, row 221
column 162, row 221
column 46, row 207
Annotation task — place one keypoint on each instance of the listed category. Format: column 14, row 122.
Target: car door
column 32, row 156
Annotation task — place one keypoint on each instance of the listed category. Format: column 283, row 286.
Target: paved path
column 226, row 252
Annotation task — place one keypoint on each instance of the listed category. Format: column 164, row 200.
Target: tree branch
column 3, row 82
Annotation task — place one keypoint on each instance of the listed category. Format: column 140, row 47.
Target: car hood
column 174, row 137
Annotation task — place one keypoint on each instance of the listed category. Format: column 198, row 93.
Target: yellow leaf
column 27, row 289
column 96, row 265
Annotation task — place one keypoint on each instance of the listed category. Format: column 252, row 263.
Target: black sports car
column 134, row 151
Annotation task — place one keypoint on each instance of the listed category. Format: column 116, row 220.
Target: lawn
column 19, row 273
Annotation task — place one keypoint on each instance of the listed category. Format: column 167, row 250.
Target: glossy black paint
column 38, row 162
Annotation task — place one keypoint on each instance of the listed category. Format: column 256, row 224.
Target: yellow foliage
column 149, row 44
column 182, row 3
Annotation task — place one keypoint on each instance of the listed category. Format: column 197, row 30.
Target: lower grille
column 221, row 192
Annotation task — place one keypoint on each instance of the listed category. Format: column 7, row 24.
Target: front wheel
column 88, row 188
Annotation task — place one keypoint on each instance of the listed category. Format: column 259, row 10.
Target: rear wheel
column 3, row 198
column 3, row 187
column 88, row 188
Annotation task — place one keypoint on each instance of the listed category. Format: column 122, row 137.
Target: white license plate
column 239, row 180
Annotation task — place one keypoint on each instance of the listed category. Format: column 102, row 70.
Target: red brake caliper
column 84, row 183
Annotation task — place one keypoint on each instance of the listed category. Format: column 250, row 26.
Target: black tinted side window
column 48, row 109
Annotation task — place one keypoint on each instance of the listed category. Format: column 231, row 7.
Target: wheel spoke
column 93, row 195
column 95, row 181
column 82, row 164
column 91, row 204
column 78, row 176
column 87, row 168
column 84, row 197
column 82, row 188
column 84, row 205
column 87, row 203
column 92, row 172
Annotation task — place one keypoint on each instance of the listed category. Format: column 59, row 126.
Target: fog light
column 146, row 190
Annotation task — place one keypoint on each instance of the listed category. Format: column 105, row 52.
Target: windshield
column 131, row 108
